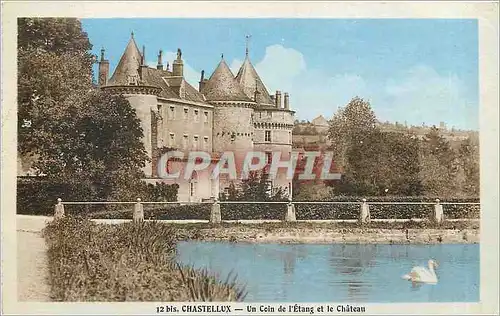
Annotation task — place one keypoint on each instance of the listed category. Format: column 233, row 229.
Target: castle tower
column 103, row 70
column 273, row 121
column 128, row 80
column 233, row 111
column 251, row 83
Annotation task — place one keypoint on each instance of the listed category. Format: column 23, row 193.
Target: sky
column 410, row 70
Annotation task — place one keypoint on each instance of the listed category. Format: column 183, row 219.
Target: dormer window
column 133, row 80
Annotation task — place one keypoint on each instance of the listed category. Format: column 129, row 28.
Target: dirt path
column 32, row 269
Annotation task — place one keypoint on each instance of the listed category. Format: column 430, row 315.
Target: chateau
column 225, row 113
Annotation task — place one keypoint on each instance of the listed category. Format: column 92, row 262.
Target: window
column 195, row 142
column 205, row 142
column 289, row 137
column 196, row 117
column 269, row 157
column 267, row 137
column 191, row 188
column 171, row 140
column 205, row 118
column 186, row 110
column 172, row 112
column 185, row 141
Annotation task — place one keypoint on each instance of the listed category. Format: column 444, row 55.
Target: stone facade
column 226, row 113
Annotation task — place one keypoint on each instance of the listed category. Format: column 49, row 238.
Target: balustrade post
column 437, row 215
column 59, row 209
column 215, row 216
column 364, row 214
column 290, row 212
column 138, row 211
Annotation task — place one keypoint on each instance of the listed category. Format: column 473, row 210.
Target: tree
column 86, row 140
column 350, row 125
column 468, row 156
column 256, row 187
column 54, row 68
column 438, row 168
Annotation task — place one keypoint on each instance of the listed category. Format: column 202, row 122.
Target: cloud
column 312, row 91
column 416, row 95
column 424, row 95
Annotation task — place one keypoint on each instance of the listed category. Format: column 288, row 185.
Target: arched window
column 192, row 184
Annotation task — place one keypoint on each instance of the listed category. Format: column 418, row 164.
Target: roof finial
column 179, row 54
column 132, row 34
column 222, row 55
column 143, row 60
column 247, row 44
column 102, row 54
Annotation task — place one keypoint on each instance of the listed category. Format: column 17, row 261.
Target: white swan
column 423, row 275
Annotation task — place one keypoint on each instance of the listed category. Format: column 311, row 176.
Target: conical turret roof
column 251, row 83
column 128, row 65
column 222, row 86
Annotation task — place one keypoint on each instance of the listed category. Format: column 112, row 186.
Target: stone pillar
column 438, row 213
column 278, row 100
column 290, row 213
column 59, row 209
column 364, row 215
column 215, row 216
column 103, row 70
column 138, row 211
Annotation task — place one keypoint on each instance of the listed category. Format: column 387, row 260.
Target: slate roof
column 128, row 65
column 320, row 121
column 171, row 87
column 250, row 81
column 222, row 86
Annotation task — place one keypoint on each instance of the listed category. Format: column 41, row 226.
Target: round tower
column 128, row 80
column 233, row 112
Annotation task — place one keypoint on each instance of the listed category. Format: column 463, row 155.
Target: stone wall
column 144, row 104
column 185, row 127
column 233, row 129
column 196, row 189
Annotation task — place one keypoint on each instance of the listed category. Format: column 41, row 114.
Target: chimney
column 143, row 63
column 278, row 99
column 103, row 70
column 160, row 62
column 143, row 57
column 202, row 81
column 287, row 101
column 177, row 67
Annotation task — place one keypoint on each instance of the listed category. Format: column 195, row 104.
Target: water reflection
column 341, row 273
column 350, row 262
column 288, row 256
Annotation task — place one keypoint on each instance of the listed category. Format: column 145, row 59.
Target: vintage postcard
column 249, row 158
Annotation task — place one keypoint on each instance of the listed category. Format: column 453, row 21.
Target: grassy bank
column 411, row 232
column 126, row 262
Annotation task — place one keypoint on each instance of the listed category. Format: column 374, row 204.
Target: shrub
column 38, row 195
column 127, row 262
column 303, row 210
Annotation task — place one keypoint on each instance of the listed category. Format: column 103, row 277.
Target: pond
column 340, row 273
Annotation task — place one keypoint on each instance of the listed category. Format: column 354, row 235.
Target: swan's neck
column 431, row 269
